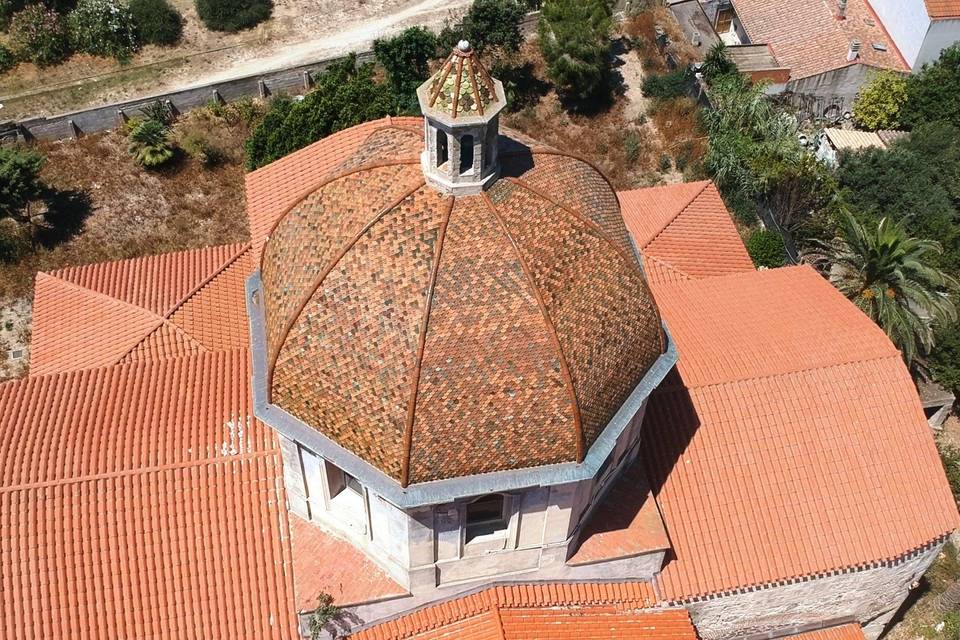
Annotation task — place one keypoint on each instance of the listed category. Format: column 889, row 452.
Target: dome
column 437, row 336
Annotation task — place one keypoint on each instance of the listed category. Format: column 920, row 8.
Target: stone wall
column 870, row 596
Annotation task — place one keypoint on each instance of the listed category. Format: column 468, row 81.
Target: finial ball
column 464, row 46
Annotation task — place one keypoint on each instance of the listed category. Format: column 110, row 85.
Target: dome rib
column 305, row 300
column 421, row 344
column 551, row 329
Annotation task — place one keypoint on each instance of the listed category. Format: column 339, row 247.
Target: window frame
column 499, row 532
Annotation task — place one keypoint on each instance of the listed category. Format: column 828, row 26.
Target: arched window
column 443, row 148
column 486, row 516
column 466, row 154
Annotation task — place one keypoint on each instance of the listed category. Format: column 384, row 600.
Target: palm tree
column 149, row 144
column 889, row 276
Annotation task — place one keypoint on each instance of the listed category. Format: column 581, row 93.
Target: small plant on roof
column 325, row 612
column 149, row 144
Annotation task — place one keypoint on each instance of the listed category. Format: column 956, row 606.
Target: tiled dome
column 437, row 336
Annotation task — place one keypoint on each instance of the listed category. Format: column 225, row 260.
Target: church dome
column 435, row 335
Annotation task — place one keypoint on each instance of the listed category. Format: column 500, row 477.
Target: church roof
column 427, row 334
column 462, row 87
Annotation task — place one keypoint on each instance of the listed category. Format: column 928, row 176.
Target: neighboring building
column 460, row 384
column 921, row 28
column 834, row 141
column 831, row 47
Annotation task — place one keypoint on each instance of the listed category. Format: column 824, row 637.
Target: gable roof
column 808, row 38
column 940, row 9
column 683, row 231
column 158, row 306
column 852, row 631
column 588, row 611
column 765, row 445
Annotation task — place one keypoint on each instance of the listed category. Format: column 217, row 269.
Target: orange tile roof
column 276, row 187
column 938, row 9
column 159, row 306
column 627, row 523
column 852, row 631
column 141, row 499
column 683, row 231
column 533, row 611
column 808, row 38
column 764, row 457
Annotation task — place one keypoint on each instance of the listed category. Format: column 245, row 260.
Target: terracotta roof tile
column 851, row 631
column 763, row 457
column 684, row 231
column 534, row 611
column 808, row 38
column 938, row 9
column 146, row 308
column 123, row 493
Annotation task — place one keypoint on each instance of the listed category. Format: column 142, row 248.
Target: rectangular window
column 724, row 20
column 486, row 518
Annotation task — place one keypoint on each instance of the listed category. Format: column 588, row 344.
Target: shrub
column 345, row 95
column 879, row 104
column 7, row 59
column 19, row 180
column 766, row 248
column 325, row 612
column 665, row 163
column 405, row 58
column 159, row 111
column 574, row 37
column 157, row 22
column 104, row 28
column 39, row 35
column 198, row 146
column 487, row 24
column 667, row 86
column 233, row 15
column 632, row 145
column 149, row 144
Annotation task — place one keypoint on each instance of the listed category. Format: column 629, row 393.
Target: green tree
column 104, row 28
column 19, row 181
column 149, row 144
column 891, row 278
column 881, row 101
column 157, row 21
column 487, row 24
column 945, row 360
column 938, row 145
column 39, row 35
column 575, row 42
column 344, row 95
column 233, row 15
column 717, row 62
column 932, row 93
column 406, row 59
column 766, row 248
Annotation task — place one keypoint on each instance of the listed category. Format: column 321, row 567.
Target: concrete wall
column 907, row 22
column 940, row 35
column 839, row 84
column 870, row 596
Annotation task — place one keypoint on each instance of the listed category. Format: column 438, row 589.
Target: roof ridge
column 551, row 329
column 421, row 345
column 102, row 296
column 673, row 218
column 244, row 247
column 282, row 337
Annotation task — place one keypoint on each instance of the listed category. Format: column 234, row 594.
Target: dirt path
column 300, row 31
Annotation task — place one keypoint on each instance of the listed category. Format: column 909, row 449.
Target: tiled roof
column 851, row 631
column 764, row 457
column 937, row 9
column 853, row 140
column 141, row 500
column 462, row 86
column 457, row 321
column 589, row 611
column 159, row 306
column 683, row 231
column 808, row 38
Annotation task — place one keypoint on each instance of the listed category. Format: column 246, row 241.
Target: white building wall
column 942, row 34
column 869, row 596
column 907, row 23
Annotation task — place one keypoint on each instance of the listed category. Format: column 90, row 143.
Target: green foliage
column 944, row 364
column 664, row 164
column 951, row 463
column 19, row 180
column 157, row 21
column 324, row 613
column 717, row 62
column 520, row 83
column 344, row 95
column 487, row 24
column 632, row 145
column 667, row 86
column 932, row 93
column 766, row 248
column 406, row 59
column 104, row 28
column 891, row 277
column 198, row 146
column 233, row 15
column 7, row 59
column 938, row 145
column 159, row 111
column 39, row 35
column 575, row 42
column 149, row 144
column 880, row 102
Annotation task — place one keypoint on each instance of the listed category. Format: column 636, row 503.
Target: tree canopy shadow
column 65, row 217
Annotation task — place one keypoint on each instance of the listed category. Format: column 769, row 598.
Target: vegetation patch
column 233, row 15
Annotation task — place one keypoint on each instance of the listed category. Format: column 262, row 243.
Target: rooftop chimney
column 854, row 51
column 841, row 9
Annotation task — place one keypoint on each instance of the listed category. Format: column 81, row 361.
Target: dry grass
column 134, row 212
